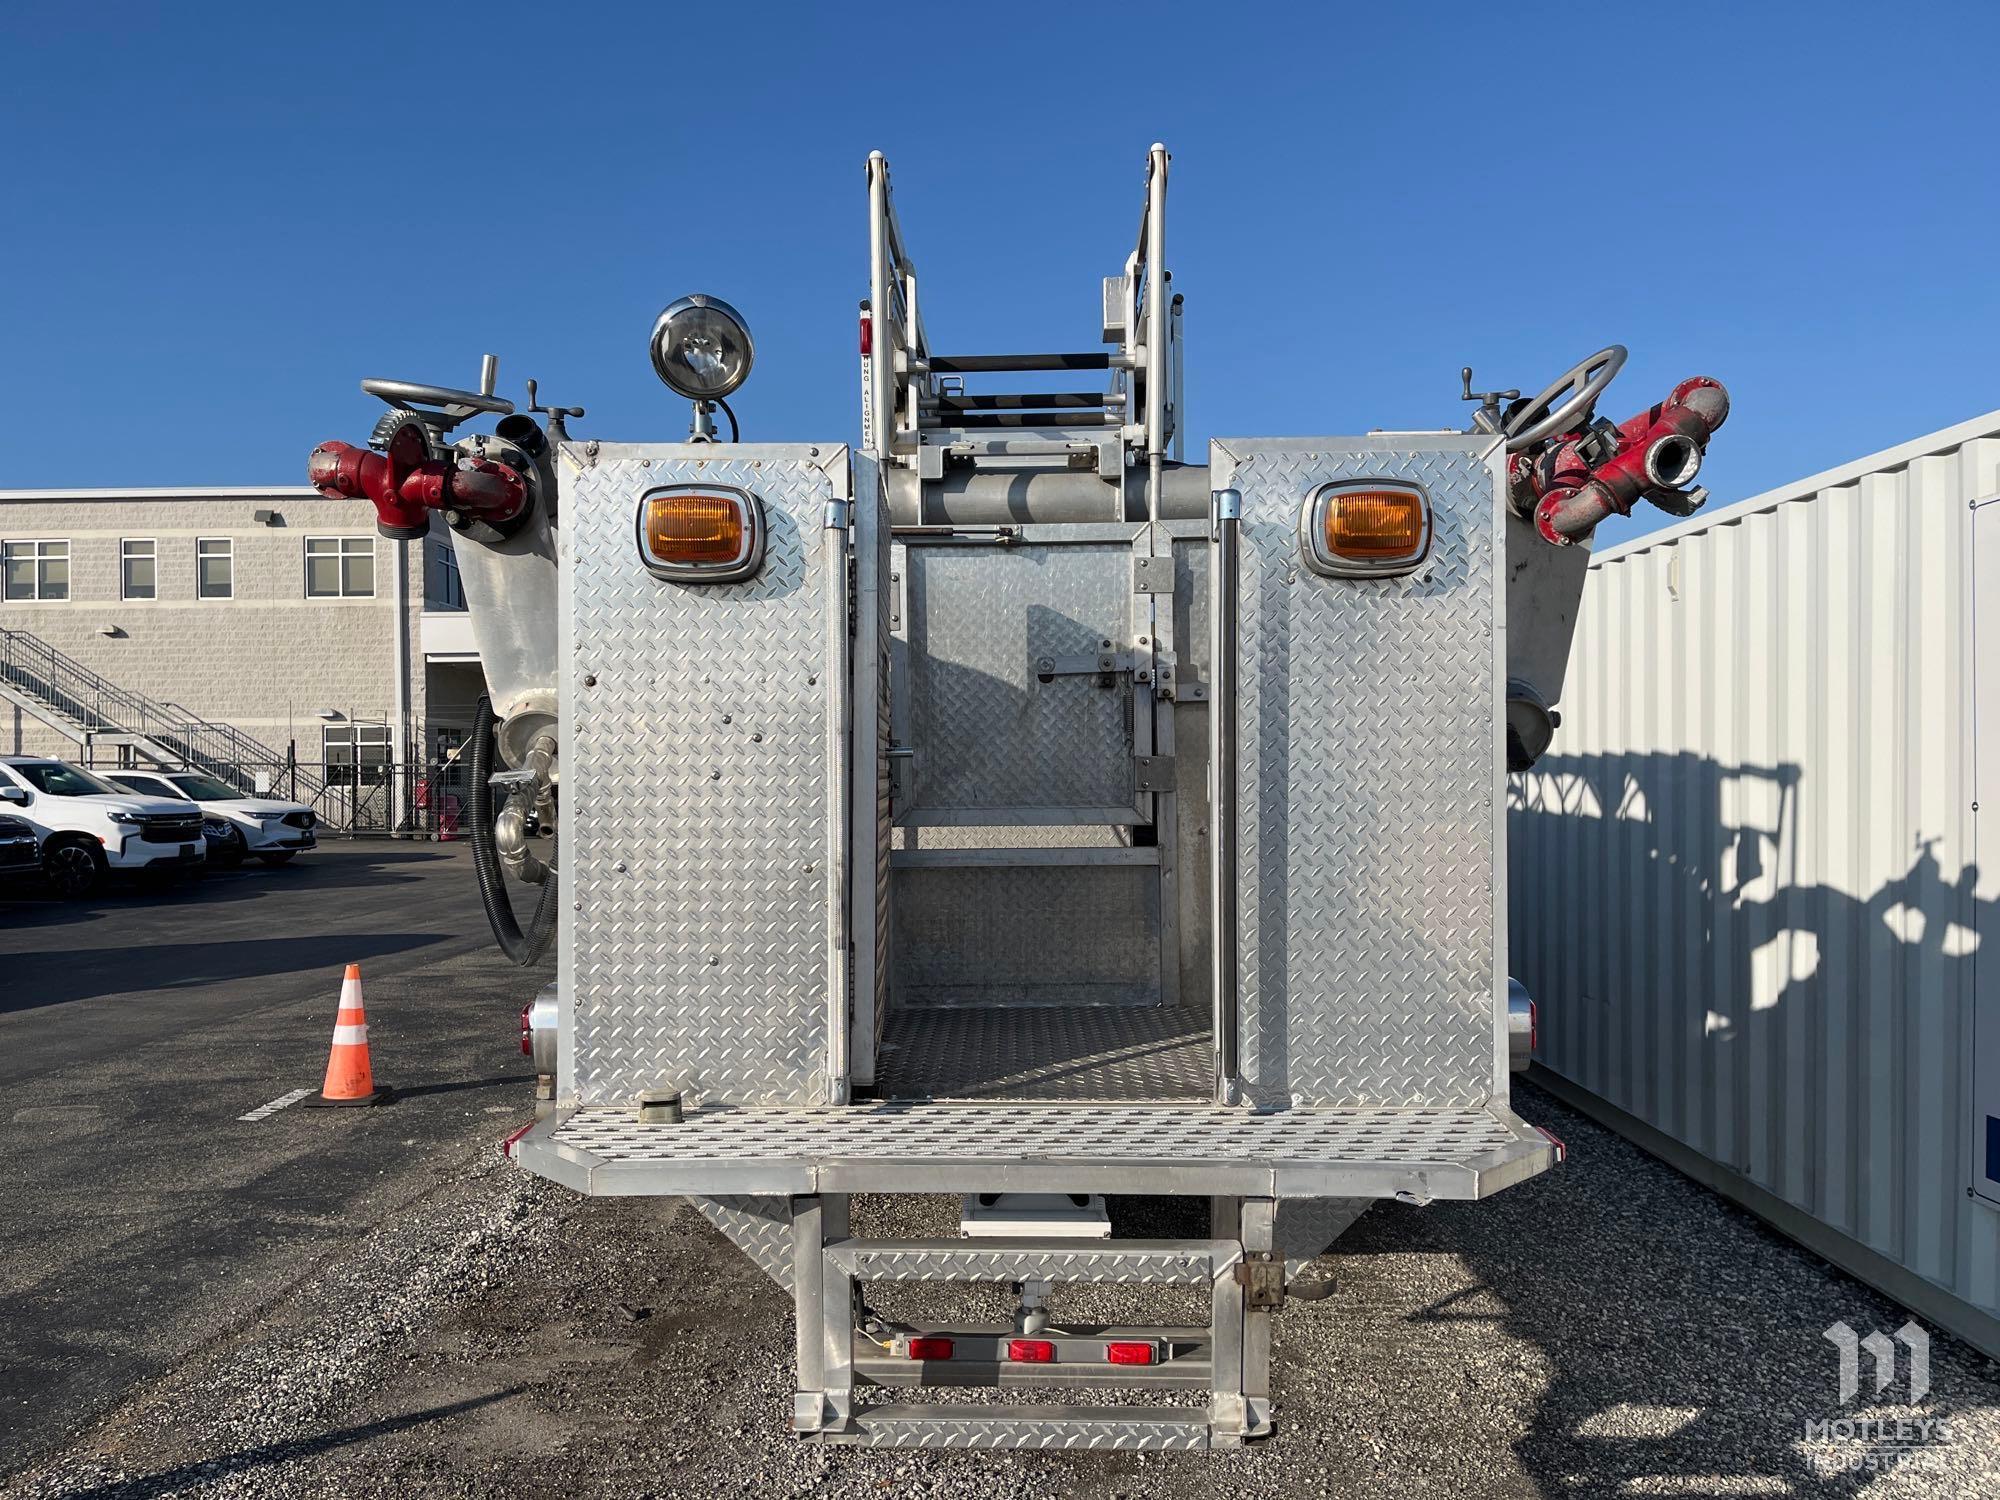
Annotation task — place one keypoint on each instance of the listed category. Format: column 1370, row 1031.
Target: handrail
column 96, row 705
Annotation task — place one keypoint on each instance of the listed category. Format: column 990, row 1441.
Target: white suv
column 239, row 825
column 88, row 826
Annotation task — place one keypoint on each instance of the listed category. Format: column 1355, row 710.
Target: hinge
column 1153, row 773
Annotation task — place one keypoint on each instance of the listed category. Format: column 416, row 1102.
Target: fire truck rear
column 1008, row 808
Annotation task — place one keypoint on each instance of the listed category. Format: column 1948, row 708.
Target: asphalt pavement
column 143, row 1219
column 374, row 1303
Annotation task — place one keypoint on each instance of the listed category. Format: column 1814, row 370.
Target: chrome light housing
column 701, row 347
column 1365, row 528
column 701, row 533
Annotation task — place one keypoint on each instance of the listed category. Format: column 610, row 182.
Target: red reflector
column 527, row 1033
column 867, row 332
column 930, row 1348
column 1030, row 1351
column 1534, row 1027
column 1129, row 1354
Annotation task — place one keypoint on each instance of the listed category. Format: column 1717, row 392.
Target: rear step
column 1101, row 1427
column 841, row 1346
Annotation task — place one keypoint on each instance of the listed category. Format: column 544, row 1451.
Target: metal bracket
column 1095, row 665
column 1153, row 773
column 1152, row 575
column 1262, row 1277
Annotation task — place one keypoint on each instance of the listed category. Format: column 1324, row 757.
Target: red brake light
column 1030, row 1351
column 527, row 1033
column 930, row 1348
column 1123, row 1353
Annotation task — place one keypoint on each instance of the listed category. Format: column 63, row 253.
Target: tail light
column 930, row 1348
column 1030, row 1351
column 701, row 534
column 1366, row 528
column 527, row 1031
column 1128, row 1352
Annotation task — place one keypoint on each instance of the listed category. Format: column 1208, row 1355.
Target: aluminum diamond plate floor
column 1101, row 1052
column 1058, row 1147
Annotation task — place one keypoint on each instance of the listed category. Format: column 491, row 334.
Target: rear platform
column 1417, row 1154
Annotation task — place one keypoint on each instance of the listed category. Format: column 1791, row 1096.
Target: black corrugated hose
column 523, row 948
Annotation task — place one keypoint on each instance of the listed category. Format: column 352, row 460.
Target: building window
column 215, row 567
column 451, row 587
column 36, row 570
column 357, row 751
column 340, row 567
column 137, row 578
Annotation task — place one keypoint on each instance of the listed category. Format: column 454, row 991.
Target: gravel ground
column 1608, row 1329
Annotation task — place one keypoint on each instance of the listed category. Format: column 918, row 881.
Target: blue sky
column 219, row 218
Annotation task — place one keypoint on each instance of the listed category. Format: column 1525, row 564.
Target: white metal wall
column 1744, row 888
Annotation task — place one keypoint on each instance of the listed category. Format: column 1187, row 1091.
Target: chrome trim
column 745, row 564
column 1312, row 516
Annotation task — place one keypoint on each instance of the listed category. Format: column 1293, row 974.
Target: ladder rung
column 1086, row 1427
column 1148, row 1262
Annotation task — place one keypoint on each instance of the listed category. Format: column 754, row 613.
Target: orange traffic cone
column 349, row 1080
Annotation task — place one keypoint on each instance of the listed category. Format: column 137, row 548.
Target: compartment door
column 1370, row 953
column 704, row 739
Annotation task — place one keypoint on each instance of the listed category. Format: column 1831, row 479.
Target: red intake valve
column 405, row 483
column 1655, row 456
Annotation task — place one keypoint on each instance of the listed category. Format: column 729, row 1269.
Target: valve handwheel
column 1582, row 384
column 462, row 404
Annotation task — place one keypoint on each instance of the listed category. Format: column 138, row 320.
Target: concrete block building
column 265, row 625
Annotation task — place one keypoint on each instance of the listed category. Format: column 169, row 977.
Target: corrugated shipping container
column 1746, row 888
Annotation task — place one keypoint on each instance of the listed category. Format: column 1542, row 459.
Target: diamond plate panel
column 1011, row 836
column 1129, row 1263
column 1003, row 928
column 1082, row 1428
column 1123, row 1133
column 1304, row 1227
column 761, row 1227
column 1191, row 609
column 699, row 776
column 1369, row 777
column 1064, row 1048
column 988, row 733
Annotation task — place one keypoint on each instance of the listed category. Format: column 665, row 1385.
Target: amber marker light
column 701, row 534
column 1366, row 528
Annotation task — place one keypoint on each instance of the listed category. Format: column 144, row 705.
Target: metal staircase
column 94, row 713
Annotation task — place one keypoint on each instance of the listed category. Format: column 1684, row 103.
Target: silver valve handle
column 406, row 394
column 1567, row 404
column 1487, row 418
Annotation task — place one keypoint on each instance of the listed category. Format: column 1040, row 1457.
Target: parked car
column 89, row 826
column 238, row 825
column 20, row 847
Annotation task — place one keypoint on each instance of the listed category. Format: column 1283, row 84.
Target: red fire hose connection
column 1655, row 456
column 405, row 483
